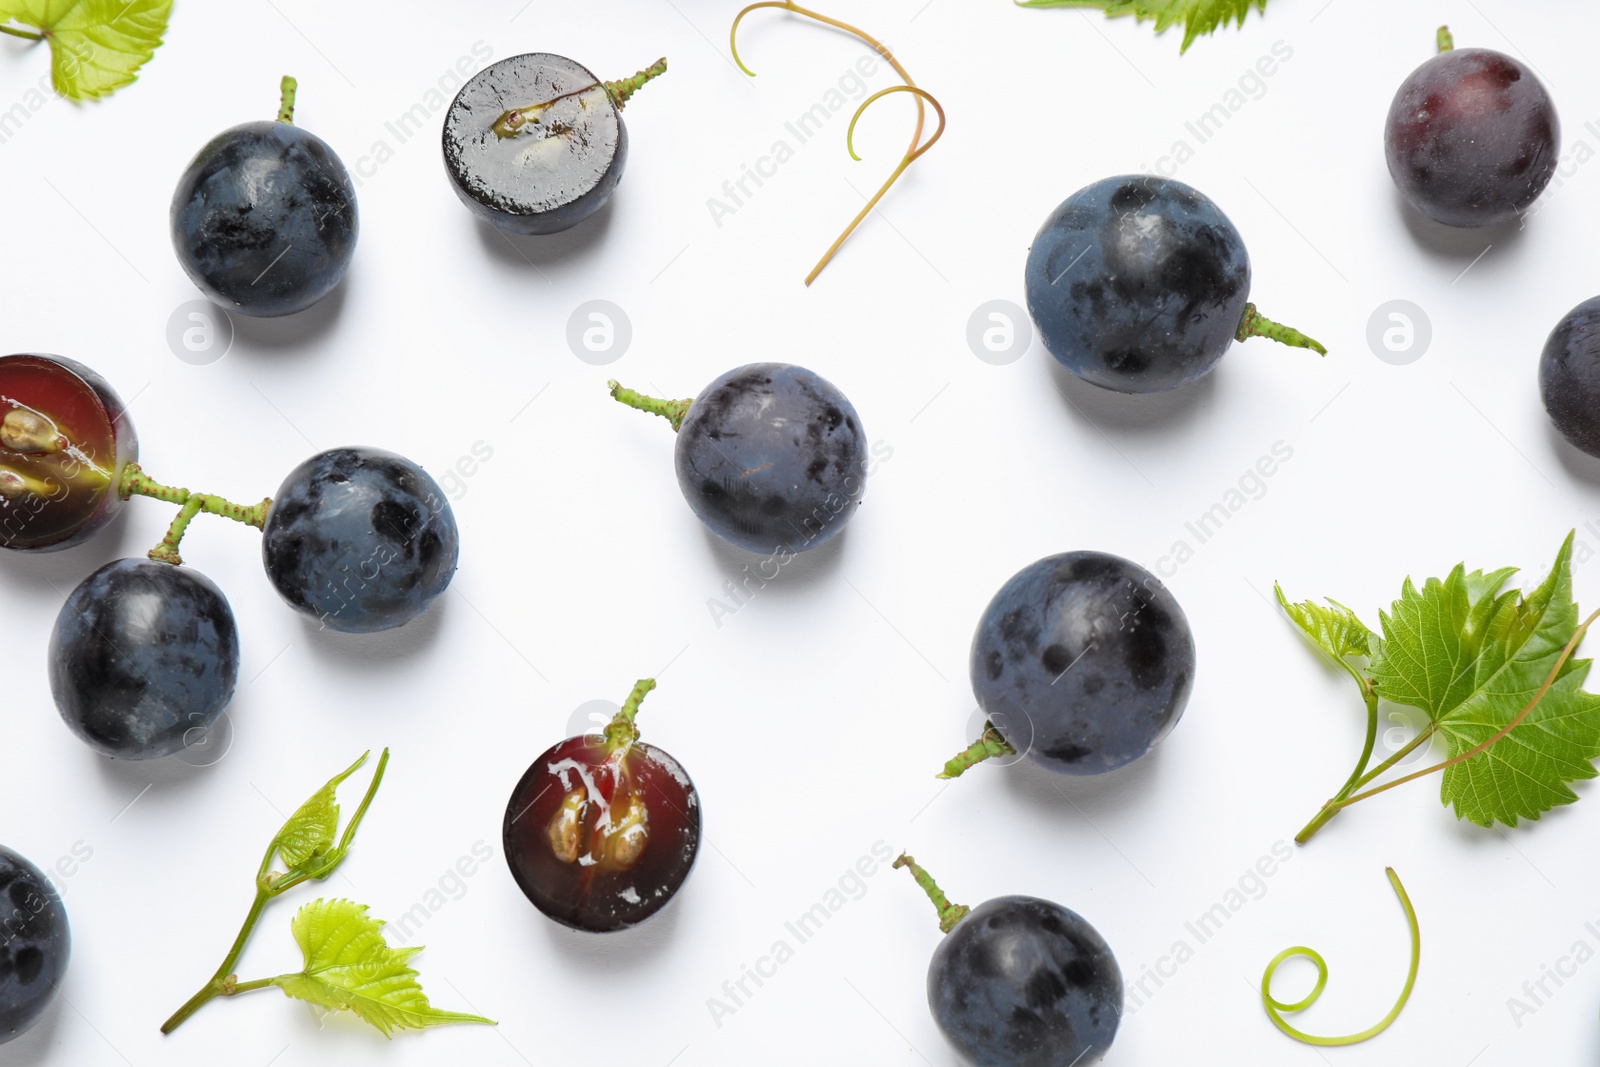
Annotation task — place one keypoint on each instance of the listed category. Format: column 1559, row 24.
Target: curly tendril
column 1275, row 1006
column 917, row 146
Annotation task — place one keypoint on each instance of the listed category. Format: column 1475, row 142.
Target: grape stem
column 1274, row 1006
column 270, row 884
column 949, row 914
column 989, row 744
column 1255, row 324
column 135, row 482
column 621, row 732
column 671, row 410
column 1447, row 43
column 26, row 35
column 1348, row 796
column 286, row 91
column 917, row 147
column 513, row 121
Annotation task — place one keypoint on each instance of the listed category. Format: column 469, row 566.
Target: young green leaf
column 1335, row 630
column 309, row 832
column 1197, row 16
column 349, row 967
column 96, row 46
column 1472, row 657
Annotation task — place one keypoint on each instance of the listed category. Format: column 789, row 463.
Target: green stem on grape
column 622, row 90
column 1274, row 1006
column 26, row 35
column 135, row 482
column 621, row 731
column 1255, row 324
column 1447, row 43
column 270, row 884
column 949, row 914
column 671, row 410
column 514, row 120
column 286, row 91
column 1493, row 739
column 988, row 745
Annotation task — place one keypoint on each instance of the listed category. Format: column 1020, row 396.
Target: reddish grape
column 602, row 830
column 1472, row 137
column 64, row 438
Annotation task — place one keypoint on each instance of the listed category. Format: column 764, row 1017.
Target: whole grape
column 360, row 539
column 1569, row 376
column 1024, row 982
column 64, row 440
column 1091, row 654
column 772, row 456
column 1472, row 137
column 35, row 944
column 143, row 658
column 264, row 219
column 1138, row 284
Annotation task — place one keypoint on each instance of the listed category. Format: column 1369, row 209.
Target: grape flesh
column 559, row 170
column 1569, row 376
column 35, row 944
column 360, row 539
column 1137, row 284
column 1023, row 982
column 602, row 838
column 1472, row 138
column 772, row 457
column 1084, row 661
column 143, row 658
column 64, row 439
column 264, row 219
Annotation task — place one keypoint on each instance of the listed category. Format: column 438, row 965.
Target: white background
column 814, row 718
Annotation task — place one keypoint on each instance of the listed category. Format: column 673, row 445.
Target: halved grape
column 64, row 438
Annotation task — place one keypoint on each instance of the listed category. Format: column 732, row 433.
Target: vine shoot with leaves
column 1493, row 670
column 348, row 964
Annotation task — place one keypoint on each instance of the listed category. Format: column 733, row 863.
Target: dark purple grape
column 772, row 456
column 360, row 539
column 64, row 440
column 35, row 944
column 1140, row 284
column 143, row 658
column 1089, row 655
column 1569, row 376
column 1472, row 137
column 1024, row 982
column 264, row 219
column 1021, row 982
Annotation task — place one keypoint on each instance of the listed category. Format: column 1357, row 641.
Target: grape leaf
column 96, row 46
column 1198, row 16
column 349, row 967
column 309, row 831
column 1335, row 630
column 1472, row 657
